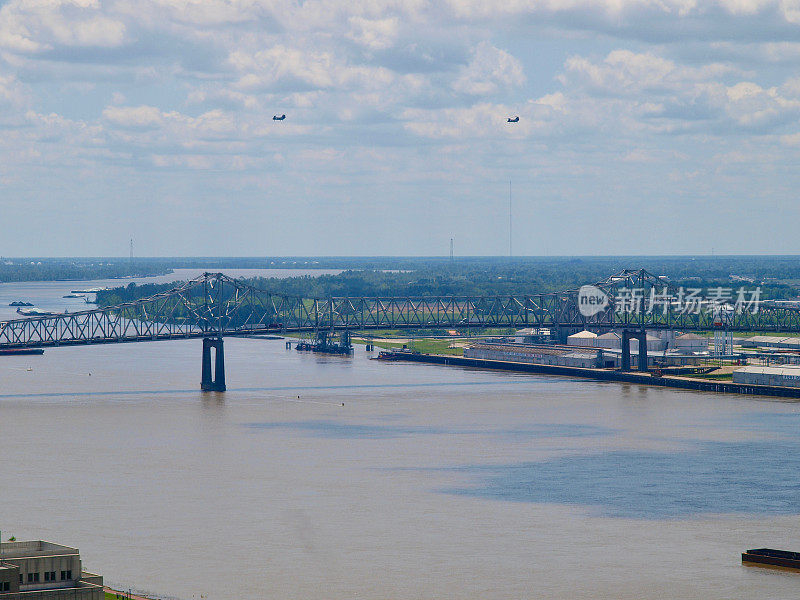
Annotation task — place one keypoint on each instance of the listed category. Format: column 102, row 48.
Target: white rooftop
column 787, row 370
column 584, row 334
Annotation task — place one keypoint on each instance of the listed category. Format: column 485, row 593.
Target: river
column 333, row 477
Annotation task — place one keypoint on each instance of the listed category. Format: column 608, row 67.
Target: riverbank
column 112, row 594
column 675, row 381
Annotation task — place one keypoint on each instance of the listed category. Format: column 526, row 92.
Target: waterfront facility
column 39, row 570
column 785, row 376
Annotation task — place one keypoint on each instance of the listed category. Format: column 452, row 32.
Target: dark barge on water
column 18, row 351
column 774, row 558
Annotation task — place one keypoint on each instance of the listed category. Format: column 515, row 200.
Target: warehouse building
column 532, row 335
column 540, row 355
column 39, row 570
column 781, row 376
column 772, row 341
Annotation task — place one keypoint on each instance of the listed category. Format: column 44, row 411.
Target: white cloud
column 37, row 25
column 137, row 117
column 395, row 92
column 489, row 71
column 625, row 72
column 376, row 34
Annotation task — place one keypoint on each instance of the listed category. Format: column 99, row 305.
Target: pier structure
column 627, row 336
column 215, row 382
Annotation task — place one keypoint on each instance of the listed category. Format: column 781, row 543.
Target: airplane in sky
column 513, row 119
column 282, row 117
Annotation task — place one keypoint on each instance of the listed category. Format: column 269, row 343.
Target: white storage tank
column 582, row 338
column 654, row 344
column 610, row 340
column 690, row 342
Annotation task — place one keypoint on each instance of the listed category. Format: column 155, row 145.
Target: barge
column 773, row 558
column 18, row 351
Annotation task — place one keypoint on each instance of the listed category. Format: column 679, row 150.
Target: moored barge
column 775, row 558
column 18, row 351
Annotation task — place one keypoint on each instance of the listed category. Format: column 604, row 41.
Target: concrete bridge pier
column 625, row 363
column 627, row 335
column 217, row 382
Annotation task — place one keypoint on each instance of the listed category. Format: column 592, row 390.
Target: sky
column 645, row 127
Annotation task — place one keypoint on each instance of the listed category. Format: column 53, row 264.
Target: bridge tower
column 627, row 335
column 217, row 382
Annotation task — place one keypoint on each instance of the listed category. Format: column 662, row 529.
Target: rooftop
column 35, row 548
column 782, row 370
column 584, row 334
column 610, row 335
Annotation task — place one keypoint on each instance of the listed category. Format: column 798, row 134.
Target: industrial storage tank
column 610, row 340
column 690, row 342
column 582, row 338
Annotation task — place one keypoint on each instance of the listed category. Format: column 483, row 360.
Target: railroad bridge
column 214, row 305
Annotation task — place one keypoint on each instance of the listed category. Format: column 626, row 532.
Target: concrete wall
column 9, row 577
column 67, row 564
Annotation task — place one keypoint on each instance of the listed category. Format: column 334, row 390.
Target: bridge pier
column 215, row 383
column 627, row 336
column 626, row 351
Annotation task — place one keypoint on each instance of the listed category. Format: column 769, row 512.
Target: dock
column 643, row 378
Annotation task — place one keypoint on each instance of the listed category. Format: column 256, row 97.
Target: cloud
column 623, row 72
column 135, row 117
column 11, row 91
column 489, row 71
column 405, row 96
column 375, row 34
column 34, row 26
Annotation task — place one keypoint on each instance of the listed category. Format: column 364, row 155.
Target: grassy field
column 426, row 346
column 712, row 377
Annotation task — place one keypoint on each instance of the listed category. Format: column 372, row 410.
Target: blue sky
column 646, row 127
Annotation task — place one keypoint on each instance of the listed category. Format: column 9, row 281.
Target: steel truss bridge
column 215, row 305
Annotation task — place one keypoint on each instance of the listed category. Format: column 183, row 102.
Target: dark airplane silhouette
column 277, row 118
column 513, row 120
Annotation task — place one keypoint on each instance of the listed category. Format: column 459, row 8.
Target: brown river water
column 332, row 477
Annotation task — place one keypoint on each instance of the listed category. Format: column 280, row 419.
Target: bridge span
column 214, row 305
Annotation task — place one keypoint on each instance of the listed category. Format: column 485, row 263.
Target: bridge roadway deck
column 202, row 334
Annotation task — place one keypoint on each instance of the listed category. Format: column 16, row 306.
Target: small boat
column 19, row 351
column 93, row 290
column 73, row 296
column 776, row 558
